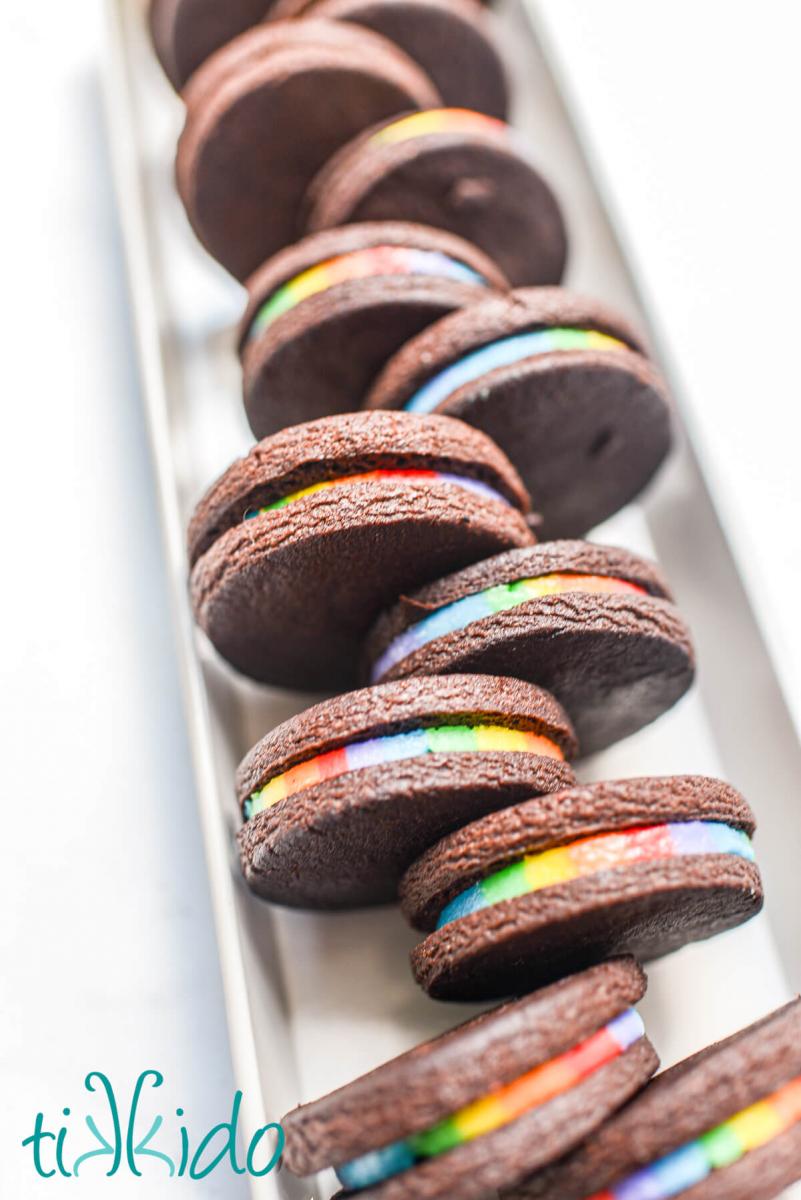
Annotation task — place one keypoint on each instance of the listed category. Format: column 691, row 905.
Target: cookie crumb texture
column 438, row 1078
column 287, row 596
column 647, row 909
column 321, row 355
column 347, row 840
column 683, row 1104
column 615, row 661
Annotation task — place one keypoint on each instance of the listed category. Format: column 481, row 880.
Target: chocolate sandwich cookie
column 299, row 545
column 637, row 866
column 454, row 169
column 186, row 32
column 452, row 40
column 264, row 114
column 723, row 1125
column 593, row 624
column 563, row 384
column 339, row 800
column 325, row 314
column 488, row 1102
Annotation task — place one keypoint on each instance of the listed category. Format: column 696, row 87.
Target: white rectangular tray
column 313, row 1000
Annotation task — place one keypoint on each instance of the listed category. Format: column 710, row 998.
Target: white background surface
column 106, row 923
column 105, row 915
column 690, row 117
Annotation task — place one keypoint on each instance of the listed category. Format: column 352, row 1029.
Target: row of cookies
column 412, row 288
column 412, row 248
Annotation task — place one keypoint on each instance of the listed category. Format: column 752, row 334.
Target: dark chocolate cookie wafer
column 723, row 1125
column 325, row 314
column 266, row 112
column 471, row 1111
column 339, row 800
column 639, row 866
column 593, row 624
column 452, row 40
column 456, row 170
column 186, row 32
column 560, row 382
column 299, row 545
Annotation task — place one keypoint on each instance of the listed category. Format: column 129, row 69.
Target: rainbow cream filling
column 457, row 616
column 463, row 481
column 591, row 855
column 505, row 353
column 499, row 1108
column 438, row 120
column 359, row 264
column 439, row 739
column 721, row 1147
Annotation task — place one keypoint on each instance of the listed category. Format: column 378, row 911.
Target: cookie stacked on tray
column 440, row 426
